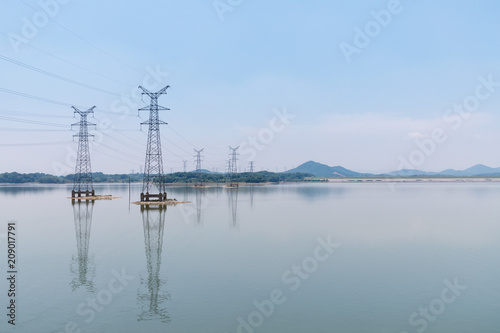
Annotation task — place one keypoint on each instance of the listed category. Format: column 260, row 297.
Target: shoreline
column 312, row 180
column 412, row 180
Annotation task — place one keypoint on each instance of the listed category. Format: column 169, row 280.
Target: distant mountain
column 322, row 170
column 478, row 170
column 204, row 171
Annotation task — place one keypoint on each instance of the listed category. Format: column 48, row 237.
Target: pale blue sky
column 229, row 77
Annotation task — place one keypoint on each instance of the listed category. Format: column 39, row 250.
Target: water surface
column 255, row 260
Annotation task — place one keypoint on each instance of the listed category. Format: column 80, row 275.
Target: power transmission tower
column 198, row 166
column 153, row 169
column 232, row 166
column 83, row 172
column 184, row 162
column 198, row 159
column 251, row 166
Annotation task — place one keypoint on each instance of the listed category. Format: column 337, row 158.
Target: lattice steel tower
column 198, row 159
column 233, row 159
column 198, row 156
column 83, row 172
column 233, row 169
column 153, row 169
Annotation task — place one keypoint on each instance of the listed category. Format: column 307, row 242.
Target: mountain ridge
column 323, row 170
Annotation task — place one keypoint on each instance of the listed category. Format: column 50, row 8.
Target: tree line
column 178, row 177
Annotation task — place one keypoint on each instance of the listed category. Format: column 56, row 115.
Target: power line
column 33, row 114
column 31, row 130
column 34, row 144
column 41, row 99
column 62, row 78
column 67, row 61
column 85, row 40
column 182, row 137
column 26, row 121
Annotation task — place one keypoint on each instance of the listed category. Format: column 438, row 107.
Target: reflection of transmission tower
column 153, row 171
column 83, row 171
column 198, row 156
column 198, row 196
column 149, row 295
column 233, row 168
column 233, row 206
column 82, row 265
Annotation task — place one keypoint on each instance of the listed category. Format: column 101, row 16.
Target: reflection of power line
column 150, row 295
column 83, row 266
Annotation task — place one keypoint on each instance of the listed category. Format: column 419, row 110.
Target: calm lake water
column 347, row 258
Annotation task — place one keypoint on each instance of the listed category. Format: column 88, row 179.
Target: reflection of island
column 150, row 297
column 233, row 205
column 82, row 265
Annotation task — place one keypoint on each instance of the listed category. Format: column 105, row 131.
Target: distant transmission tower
column 198, row 156
column 251, row 166
column 153, row 170
column 232, row 166
column 198, row 159
column 184, row 162
column 83, row 172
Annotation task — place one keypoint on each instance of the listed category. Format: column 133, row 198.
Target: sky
column 369, row 85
